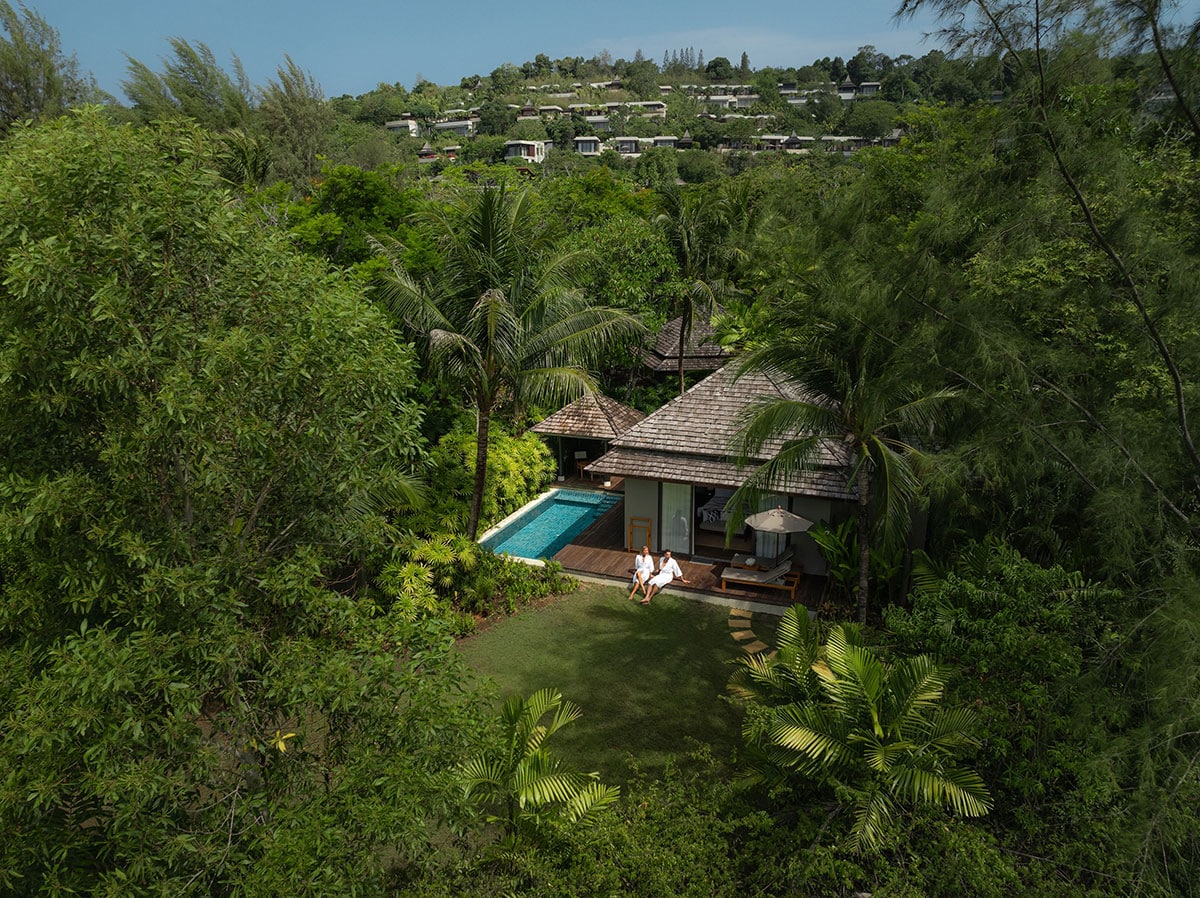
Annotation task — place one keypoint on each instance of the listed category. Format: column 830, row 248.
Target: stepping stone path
column 740, row 629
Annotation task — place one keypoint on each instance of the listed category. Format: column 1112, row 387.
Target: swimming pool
column 541, row 529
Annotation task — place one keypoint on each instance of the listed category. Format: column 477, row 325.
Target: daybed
column 779, row 577
column 749, row 561
column 712, row 514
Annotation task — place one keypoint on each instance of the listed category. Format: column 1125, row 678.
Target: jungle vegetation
column 249, row 346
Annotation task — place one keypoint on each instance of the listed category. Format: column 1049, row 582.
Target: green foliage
column 496, row 118
column 872, row 731
column 685, row 833
column 1023, row 639
column 203, row 432
column 590, row 199
column 656, row 168
column 641, row 80
column 297, row 118
column 486, row 148
column 839, row 550
column 719, row 68
column 502, row 317
column 628, row 263
column 348, row 207
column 522, row 783
column 243, row 159
column 870, row 119
column 698, row 166
column 192, row 85
column 519, row 469
column 36, row 79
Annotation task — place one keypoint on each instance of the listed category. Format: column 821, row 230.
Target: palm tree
column 875, row 730
column 523, row 781
column 501, row 317
column 788, row 674
column 695, row 226
column 855, row 397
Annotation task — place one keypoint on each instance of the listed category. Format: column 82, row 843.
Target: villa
column 679, row 469
column 526, row 150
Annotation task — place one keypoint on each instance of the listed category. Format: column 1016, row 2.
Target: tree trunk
column 483, row 425
column 864, row 536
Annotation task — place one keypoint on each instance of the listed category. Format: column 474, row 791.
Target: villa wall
column 816, row 510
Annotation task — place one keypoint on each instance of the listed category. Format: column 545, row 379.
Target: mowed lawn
column 648, row 679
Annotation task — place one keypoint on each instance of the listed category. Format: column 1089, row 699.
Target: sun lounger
column 779, row 577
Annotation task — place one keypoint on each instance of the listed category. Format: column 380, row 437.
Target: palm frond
column 873, row 816
column 958, row 788
column 589, row 802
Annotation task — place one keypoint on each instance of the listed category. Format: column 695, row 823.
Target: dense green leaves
column 197, row 421
column 875, row 731
column 37, row 80
column 527, row 784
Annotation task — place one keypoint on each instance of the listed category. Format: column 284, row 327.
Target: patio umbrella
column 776, row 520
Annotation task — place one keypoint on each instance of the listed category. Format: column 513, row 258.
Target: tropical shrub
column 875, row 734
column 519, row 469
column 1030, row 647
column 521, row 784
column 685, row 832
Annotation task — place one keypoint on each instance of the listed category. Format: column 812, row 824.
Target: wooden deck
column 599, row 551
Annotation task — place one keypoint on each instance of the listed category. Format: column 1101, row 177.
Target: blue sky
column 353, row 45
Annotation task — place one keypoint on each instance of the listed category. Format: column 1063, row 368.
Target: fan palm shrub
column 521, row 784
column 875, row 733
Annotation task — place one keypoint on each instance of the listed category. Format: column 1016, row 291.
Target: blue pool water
column 549, row 524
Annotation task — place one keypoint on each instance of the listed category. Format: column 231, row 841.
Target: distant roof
column 699, row 354
column 591, row 416
column 692, row 439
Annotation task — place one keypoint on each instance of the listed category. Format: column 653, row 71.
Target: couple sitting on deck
column 649, row 582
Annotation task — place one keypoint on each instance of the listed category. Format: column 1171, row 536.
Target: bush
column 1029, row 645
column 519, row 469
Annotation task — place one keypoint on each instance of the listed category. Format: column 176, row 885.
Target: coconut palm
column 502, row 318
column 695, row 226
column 873, row 731
column 523, row 781
column 853, row 397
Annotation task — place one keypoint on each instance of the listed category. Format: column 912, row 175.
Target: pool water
column 545, row 527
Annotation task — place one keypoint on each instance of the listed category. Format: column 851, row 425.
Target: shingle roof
column 592, row 416
column 700, row 353
column 829, row 483
column 692, row 439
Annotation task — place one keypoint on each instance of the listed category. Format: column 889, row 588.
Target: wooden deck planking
column 598, row 551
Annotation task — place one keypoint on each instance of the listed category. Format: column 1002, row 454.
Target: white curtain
column 677, row 517
column 768, row 545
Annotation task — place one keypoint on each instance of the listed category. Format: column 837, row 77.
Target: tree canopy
column 201, row 425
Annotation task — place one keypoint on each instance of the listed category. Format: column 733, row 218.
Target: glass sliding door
column 677, row 517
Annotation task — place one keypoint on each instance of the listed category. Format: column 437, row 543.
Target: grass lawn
column 648, row 679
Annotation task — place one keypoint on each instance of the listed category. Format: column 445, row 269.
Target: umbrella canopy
column 776, row 520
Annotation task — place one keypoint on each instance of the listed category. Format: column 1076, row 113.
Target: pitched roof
column 692, row 439
column 592, row 416
column 700, row 353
